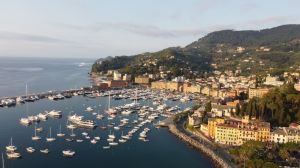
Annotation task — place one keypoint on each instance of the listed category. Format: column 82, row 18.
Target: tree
column 208, row 107
column 237, row 109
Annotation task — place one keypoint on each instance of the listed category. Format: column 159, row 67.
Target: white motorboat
column 113, row 143
column 30, row 149
column 85, row 134
column 79, row 140
column 89, row 109
column 40, row 129
column 122, row 140
column 55, row 114
column 13, row 155
column 45, row 151
column 68, row 153
column 25, row 121
column 97, row 138
column 94, row 141
column 43, row 116
column 116, row 128
column 106, row 147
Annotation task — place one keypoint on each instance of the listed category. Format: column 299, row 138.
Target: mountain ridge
column 212, row 49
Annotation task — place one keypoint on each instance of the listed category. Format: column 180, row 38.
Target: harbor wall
column 207, row 151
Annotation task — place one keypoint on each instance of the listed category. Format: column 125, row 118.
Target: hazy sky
column 98, row 28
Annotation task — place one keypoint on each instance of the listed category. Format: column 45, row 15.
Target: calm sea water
column 163, row 149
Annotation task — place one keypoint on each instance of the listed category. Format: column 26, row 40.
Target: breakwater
column 220, row 162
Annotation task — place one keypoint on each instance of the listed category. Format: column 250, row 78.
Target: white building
column 117, row 75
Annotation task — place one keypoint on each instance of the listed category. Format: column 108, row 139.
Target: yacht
column 106, row 147
column 85, row 134
column 68, row 153
column 60, row 134
column 113, row 143
column 43, row 116
column 89, row 109
column 45, row 151
column 97, row 138
column 30, row 149
column 116, row 128
column 13, row 155
column 94, row 141
column 25, row 121
column 79, row 140
column 35, row 137
column 11, row 147
column 20, row 100
column 40, row 129
column 122, row 140
column 78, row 121
column 99, row 116
column 33, row 118
column 50, row 139
column 54, row 113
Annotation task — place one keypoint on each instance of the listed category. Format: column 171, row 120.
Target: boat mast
column 109, row 100
column 3, row 161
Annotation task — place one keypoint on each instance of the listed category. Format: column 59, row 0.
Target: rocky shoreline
column 220, row 162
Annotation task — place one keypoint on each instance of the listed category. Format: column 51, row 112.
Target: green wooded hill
column 281, row 44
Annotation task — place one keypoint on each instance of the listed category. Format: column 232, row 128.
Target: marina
column 31, row 139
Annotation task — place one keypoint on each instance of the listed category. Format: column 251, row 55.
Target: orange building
column 117, row 84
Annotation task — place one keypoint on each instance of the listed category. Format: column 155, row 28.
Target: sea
column 163, row 150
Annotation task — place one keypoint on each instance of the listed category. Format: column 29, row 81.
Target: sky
column 100, row 28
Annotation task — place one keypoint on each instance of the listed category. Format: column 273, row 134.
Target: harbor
column 123, row 120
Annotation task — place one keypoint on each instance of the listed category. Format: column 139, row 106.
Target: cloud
column 30, row 37
column 147, row 30
column 249, row 7
column 274, row 20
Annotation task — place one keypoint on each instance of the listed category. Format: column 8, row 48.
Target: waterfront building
column 228, row 133
column 191, row 88
column 126, row 77
column 117, row 76
column 143, row 80
column 212, row 123
column 167, row 85
column 117, row 84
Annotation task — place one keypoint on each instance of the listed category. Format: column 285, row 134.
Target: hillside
column 266, row 51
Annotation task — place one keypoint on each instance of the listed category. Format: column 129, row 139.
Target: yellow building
column 168, row 85
column 228, row 133
column 142, row 80
column 191, row 88
column 212, row 123
column 257, row 92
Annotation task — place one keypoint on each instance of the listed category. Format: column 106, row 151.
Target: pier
column 42, row 95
